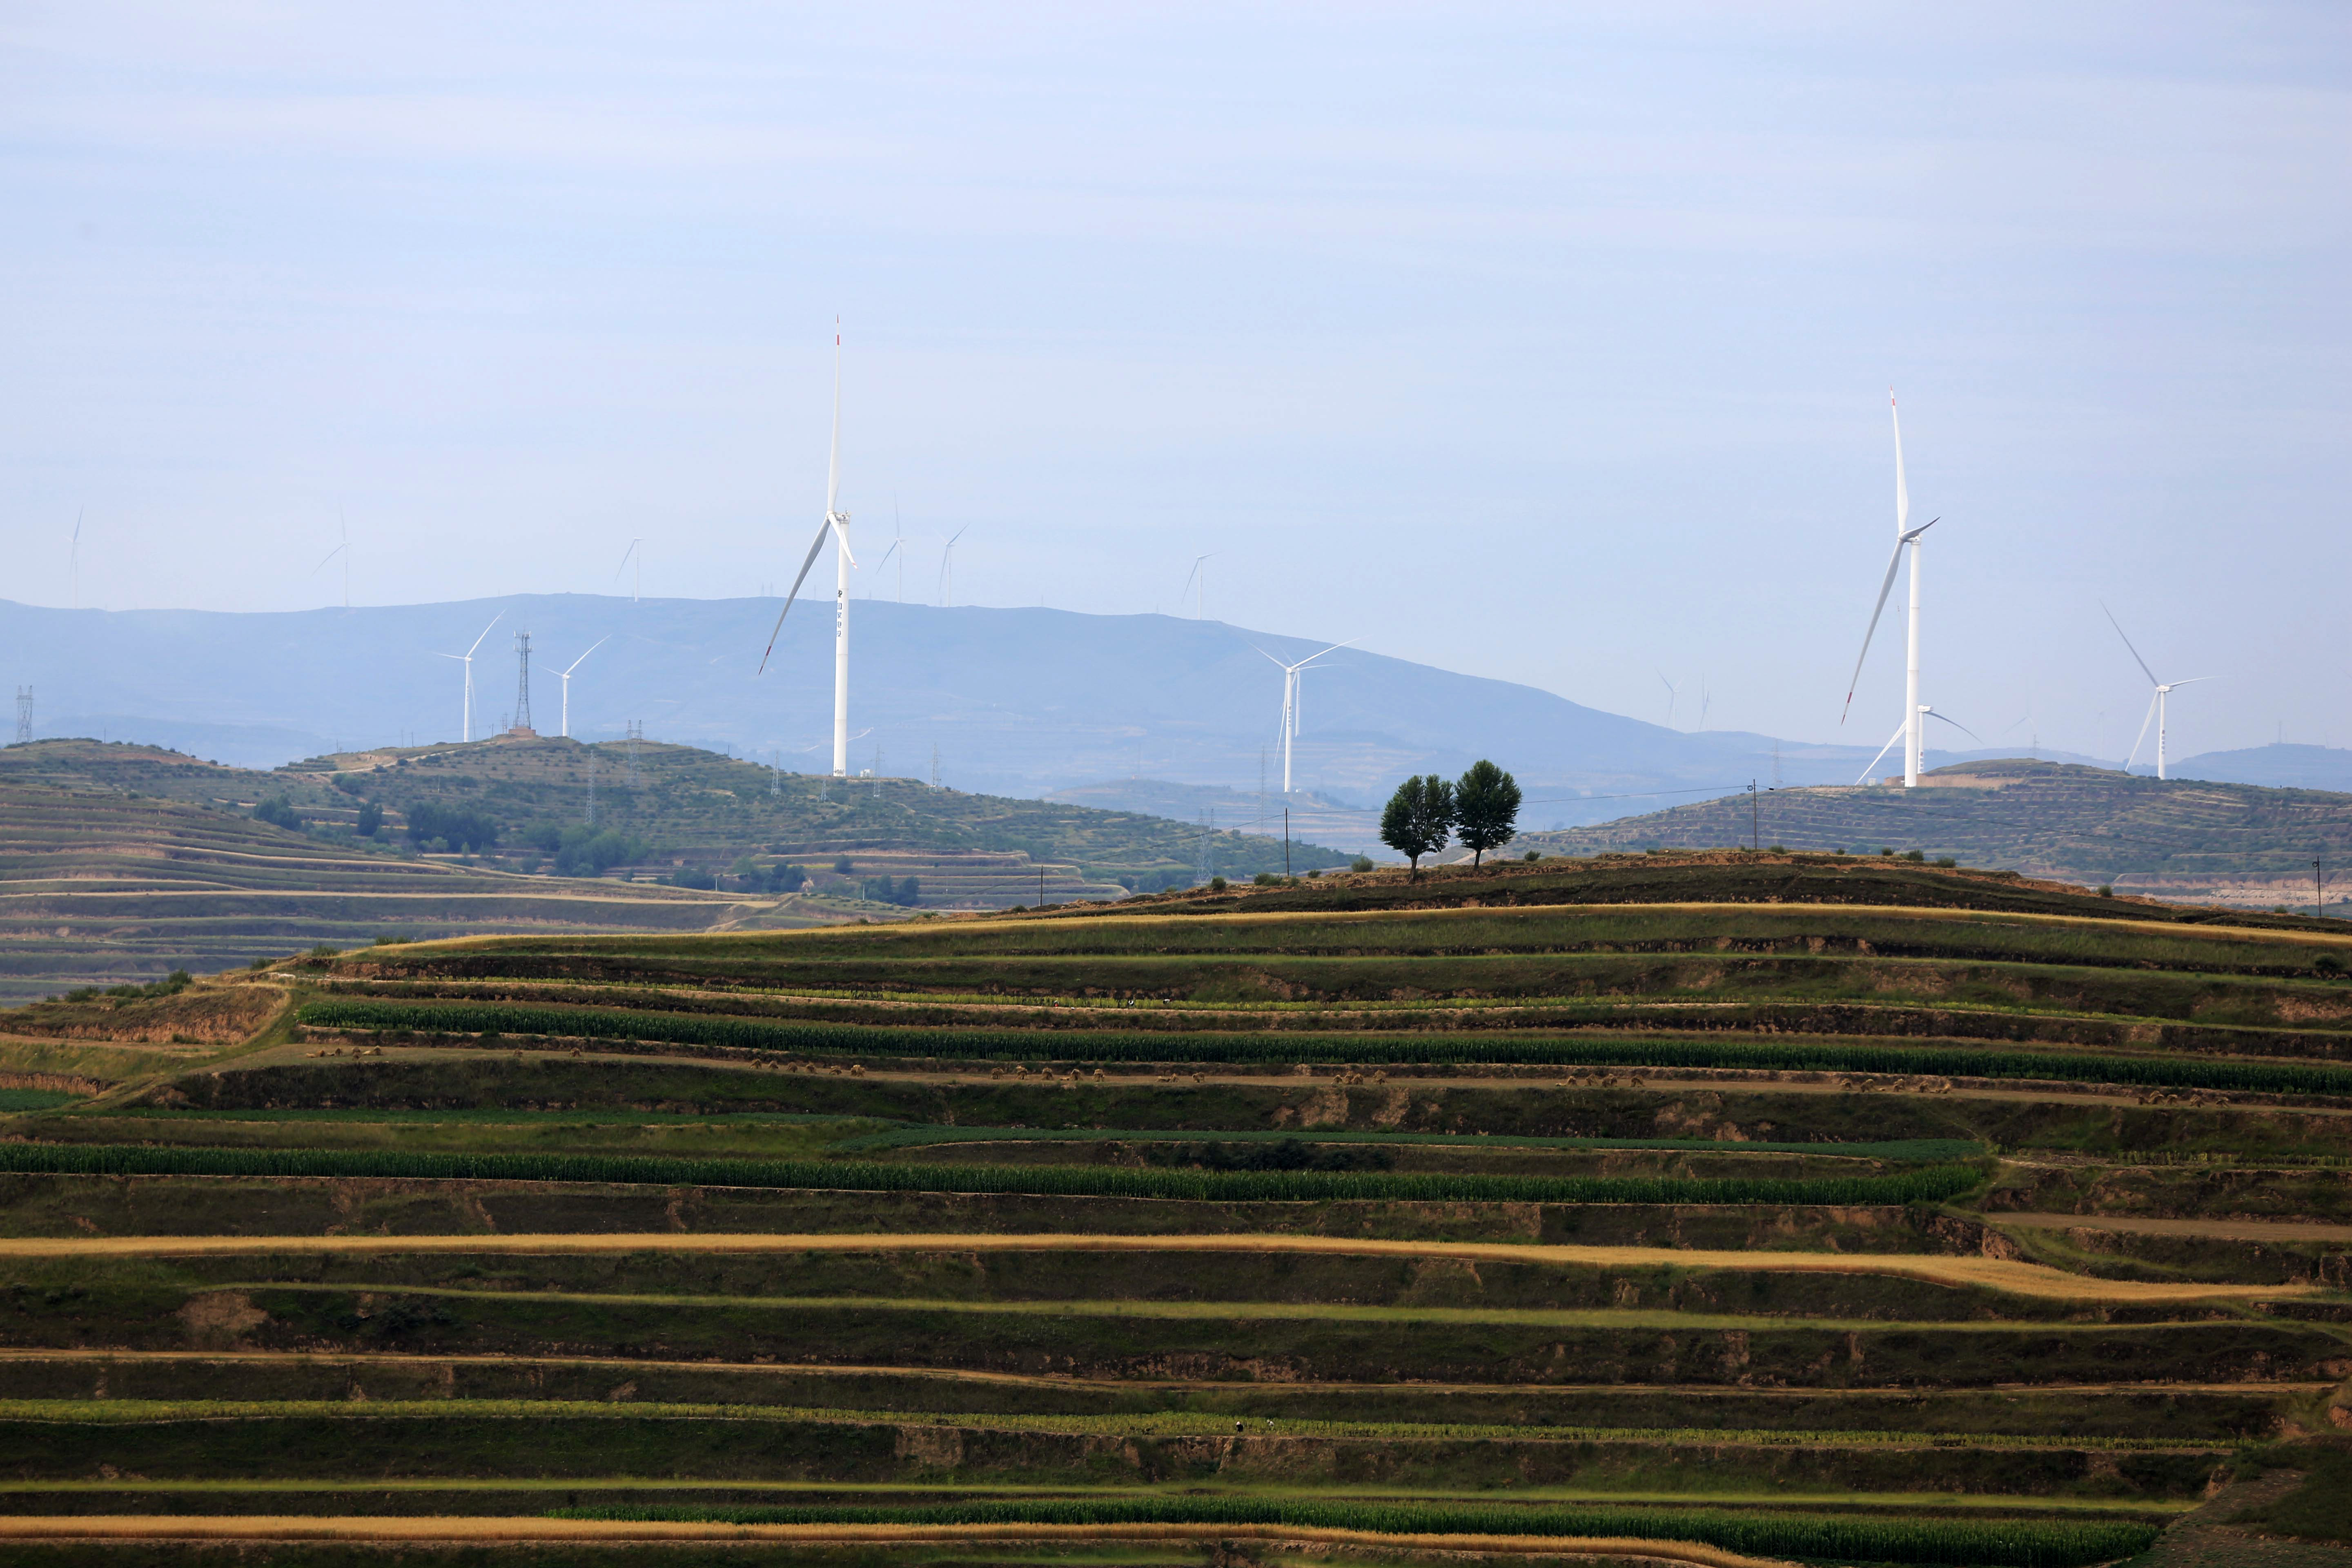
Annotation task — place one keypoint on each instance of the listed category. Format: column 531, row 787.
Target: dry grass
column 2015, row 1277
column 265, row 1527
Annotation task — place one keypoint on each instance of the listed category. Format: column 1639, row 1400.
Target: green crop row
column 843, row 1039
column 1928, row 1183
column 1993, row 1543
column 1144, row 1424
column 1922, row 1151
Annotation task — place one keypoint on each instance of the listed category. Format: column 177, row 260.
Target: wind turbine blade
column 1882, row 752
column 331, row 554
column 1335, row 648
column 825, row 531
column 832, row 464
column 1263, row 654
column 1956, row 724
column 1876, row 610
column 2127, row 643
column 1902, row 490
column 834, row 525
column 592, row 647
column 486, row 631
column 2143, row 723
column 2193, row 681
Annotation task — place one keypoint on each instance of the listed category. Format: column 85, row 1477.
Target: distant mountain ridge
column 1010, row 701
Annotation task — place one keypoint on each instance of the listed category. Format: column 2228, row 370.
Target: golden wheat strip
column 1989, row 1273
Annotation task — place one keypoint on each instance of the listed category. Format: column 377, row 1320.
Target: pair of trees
column 1482, row 807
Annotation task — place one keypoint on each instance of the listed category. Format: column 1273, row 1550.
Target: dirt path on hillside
column 1989, row 1273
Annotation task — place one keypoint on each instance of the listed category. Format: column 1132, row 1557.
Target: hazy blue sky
column 1547, row 342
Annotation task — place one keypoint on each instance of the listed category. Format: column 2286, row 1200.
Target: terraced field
column 1697, row 1209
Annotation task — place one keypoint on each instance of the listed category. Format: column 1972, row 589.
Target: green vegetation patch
column 1993, row 1543
column 1920, row 1151
column 1931, row 1184
column 16, row 1099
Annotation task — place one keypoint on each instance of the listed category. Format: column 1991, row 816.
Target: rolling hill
column 2183, row 839
column 1700, row 1209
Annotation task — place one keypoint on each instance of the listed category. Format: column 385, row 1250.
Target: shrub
column 1946, row 860
column 1266, row 879
column 1216, row 884
column 371, row 822
column 1532, row 854
column 279, row 812
column 1361, row 863
column 1915, row 854
column 2106, row 891
column 1778, row 848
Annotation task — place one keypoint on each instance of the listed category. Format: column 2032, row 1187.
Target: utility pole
column 1285, row 841
column 1755, row 819
column 23, row 715
column 1040, row 887
column 2318, row 900
column 592, row 786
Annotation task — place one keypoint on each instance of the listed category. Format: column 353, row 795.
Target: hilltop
column 1720, row 1210
column 2210, row 842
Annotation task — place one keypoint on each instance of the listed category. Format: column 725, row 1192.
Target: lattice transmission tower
column 522, row 680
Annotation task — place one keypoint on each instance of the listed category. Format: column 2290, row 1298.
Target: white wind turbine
column 1200, row 600
column 1914, row 711
column 564, row 674
column 1290, row 695
column 2156, row 703
column 637, row 582
column 466, row 659
column 946, row 567
column 835, row 526
column 897, row 548
column 343, row 550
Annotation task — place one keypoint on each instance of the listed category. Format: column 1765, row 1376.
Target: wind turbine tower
column 564, row 674
column 835, row 527
column 1913, row 730
column 2156, row 703
column 1290, row 695
column 466, row 727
